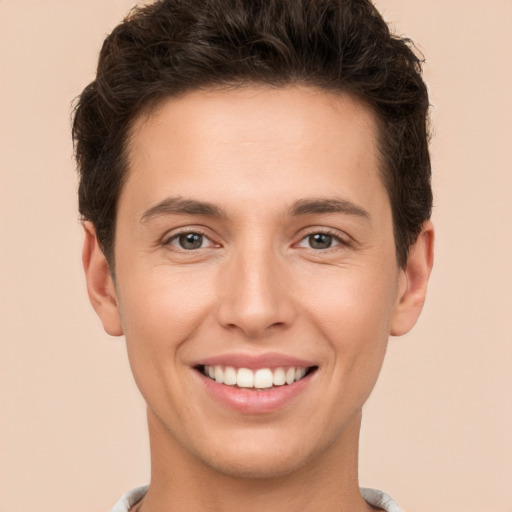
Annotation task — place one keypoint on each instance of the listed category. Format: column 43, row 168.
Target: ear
column 100, row 284
column 413, row 282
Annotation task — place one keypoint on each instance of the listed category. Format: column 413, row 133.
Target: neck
column 181, row 482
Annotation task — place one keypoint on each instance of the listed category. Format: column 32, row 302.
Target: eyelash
column 176, row 236
column 335, row 236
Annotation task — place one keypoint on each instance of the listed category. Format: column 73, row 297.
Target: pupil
column 320, row 241
column 191, row 241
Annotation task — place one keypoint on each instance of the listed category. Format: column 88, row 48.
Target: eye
column 319, row 241
column 190, row 241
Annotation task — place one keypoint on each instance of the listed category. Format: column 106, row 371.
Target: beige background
column 439, row 425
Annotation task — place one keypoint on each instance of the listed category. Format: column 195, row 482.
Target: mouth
column 259, row 379
column 256, row 384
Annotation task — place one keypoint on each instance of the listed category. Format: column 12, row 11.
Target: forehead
column 250, row 137
column 258, row 113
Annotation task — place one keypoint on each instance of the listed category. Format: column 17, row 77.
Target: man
column 255, row 189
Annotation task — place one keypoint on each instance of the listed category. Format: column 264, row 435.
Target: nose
column 254, row 296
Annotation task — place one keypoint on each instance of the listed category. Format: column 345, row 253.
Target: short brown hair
column 173, row 46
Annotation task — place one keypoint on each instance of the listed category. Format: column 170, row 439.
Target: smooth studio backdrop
column 437, row 430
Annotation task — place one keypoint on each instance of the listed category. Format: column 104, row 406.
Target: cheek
column 160, row 311
column 355, row 301
column 353, row 311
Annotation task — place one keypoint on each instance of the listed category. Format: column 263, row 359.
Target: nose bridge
column 253, row 294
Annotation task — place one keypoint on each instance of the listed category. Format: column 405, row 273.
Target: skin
column 256, row 285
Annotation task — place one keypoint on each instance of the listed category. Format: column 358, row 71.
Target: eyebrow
column 320, row 205
column 179, row 205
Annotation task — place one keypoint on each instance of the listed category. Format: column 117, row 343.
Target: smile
column 255, row 384
column 261, row 378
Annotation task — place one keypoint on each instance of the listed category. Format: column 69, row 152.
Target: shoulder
column 380, row 499
column 128, row 499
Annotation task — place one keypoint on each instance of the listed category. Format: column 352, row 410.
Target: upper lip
column 254, row 361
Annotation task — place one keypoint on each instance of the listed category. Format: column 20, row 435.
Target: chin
column 262, row 467
column 261, row 459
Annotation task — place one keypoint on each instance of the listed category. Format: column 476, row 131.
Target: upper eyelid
column 169, row 238
column 341, row 236
column 339, row 242
column 335, row 233
column 173, row 233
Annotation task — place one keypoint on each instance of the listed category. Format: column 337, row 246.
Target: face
column 256, row 277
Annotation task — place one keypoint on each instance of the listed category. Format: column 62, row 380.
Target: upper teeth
column 260, row 379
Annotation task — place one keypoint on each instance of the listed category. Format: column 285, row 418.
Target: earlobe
column 100, row 284
column 415, row 278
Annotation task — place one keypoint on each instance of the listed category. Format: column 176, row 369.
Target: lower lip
column 250, row 401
